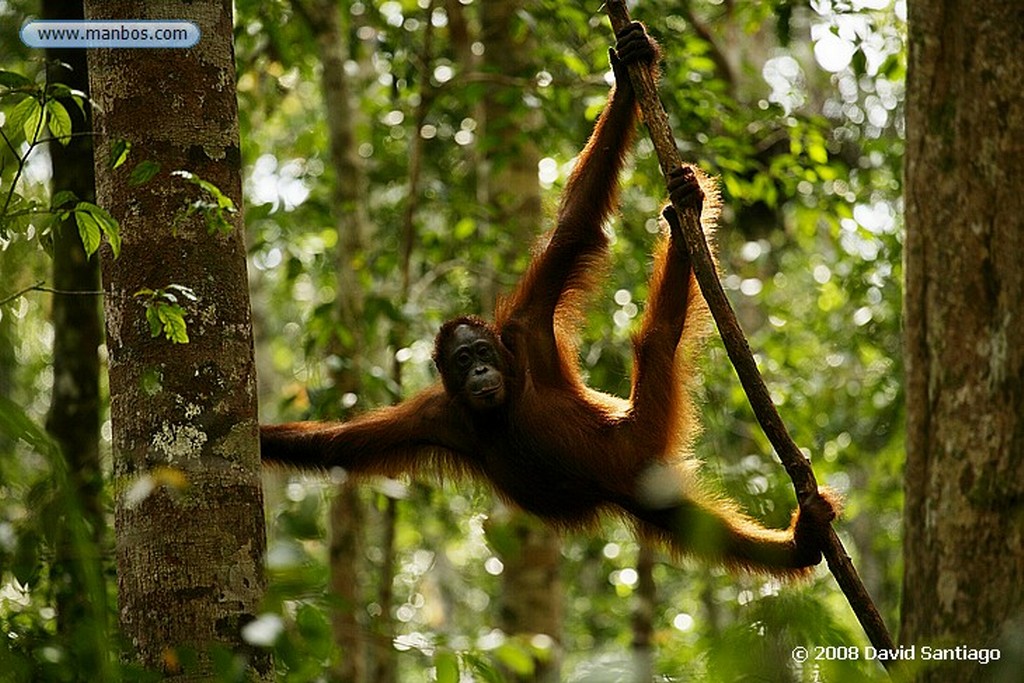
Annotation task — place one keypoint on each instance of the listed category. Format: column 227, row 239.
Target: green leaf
column 21, row 214
column 891, row 68
column 223, row 201
column 483, row 669
column 153, row 317
column 61, row 198
column 21, row 113
column 112, row 229
column 34, row 123
column 796, row 146
column 312, row 624
column 228, row 665
column 143, row 172
column 15, row 81
column 58, row 90
column 447, row 665
column 817, row 151
column 172, row 317
column 214, row 214
column 89, row 230
column 218, row 224
column 90, row 217
column 110, row 225
column 16, row 424
column 65, row 93
column 464, row 229
column 165, row 317
column 59, row 121
column 119, row 153
column 516, row 658
column 79, row 99
column 25, row 566
column 575, row 64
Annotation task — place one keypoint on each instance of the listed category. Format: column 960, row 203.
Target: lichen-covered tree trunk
column 189, row 514
column 964, row 539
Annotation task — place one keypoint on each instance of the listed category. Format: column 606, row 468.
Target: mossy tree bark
column 189, row 508
column 964, row 313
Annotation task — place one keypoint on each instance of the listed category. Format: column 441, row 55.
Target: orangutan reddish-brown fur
column 511, row 407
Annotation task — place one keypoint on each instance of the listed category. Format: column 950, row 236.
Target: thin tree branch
column 20, row 293
column 38, row 287
column 797, row 466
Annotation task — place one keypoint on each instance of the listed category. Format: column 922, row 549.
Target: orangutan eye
column 485, row 352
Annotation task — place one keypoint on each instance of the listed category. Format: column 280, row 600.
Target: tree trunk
column 644, row 614
column 532, row 591
column 531, row 582
column 964, row 311
column 509, row 188
column 74, row 416
column 348, row 203
column 345, row 555
column 189, row 510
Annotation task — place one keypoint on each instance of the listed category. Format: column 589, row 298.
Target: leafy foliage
column 38, row 108
column 164, row 313
column 214, row 209
column 29, row 648
column 807, row 199
column 810, row 248
column 92, row 222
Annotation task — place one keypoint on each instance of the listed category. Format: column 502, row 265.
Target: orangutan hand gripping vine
column 512, row 408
